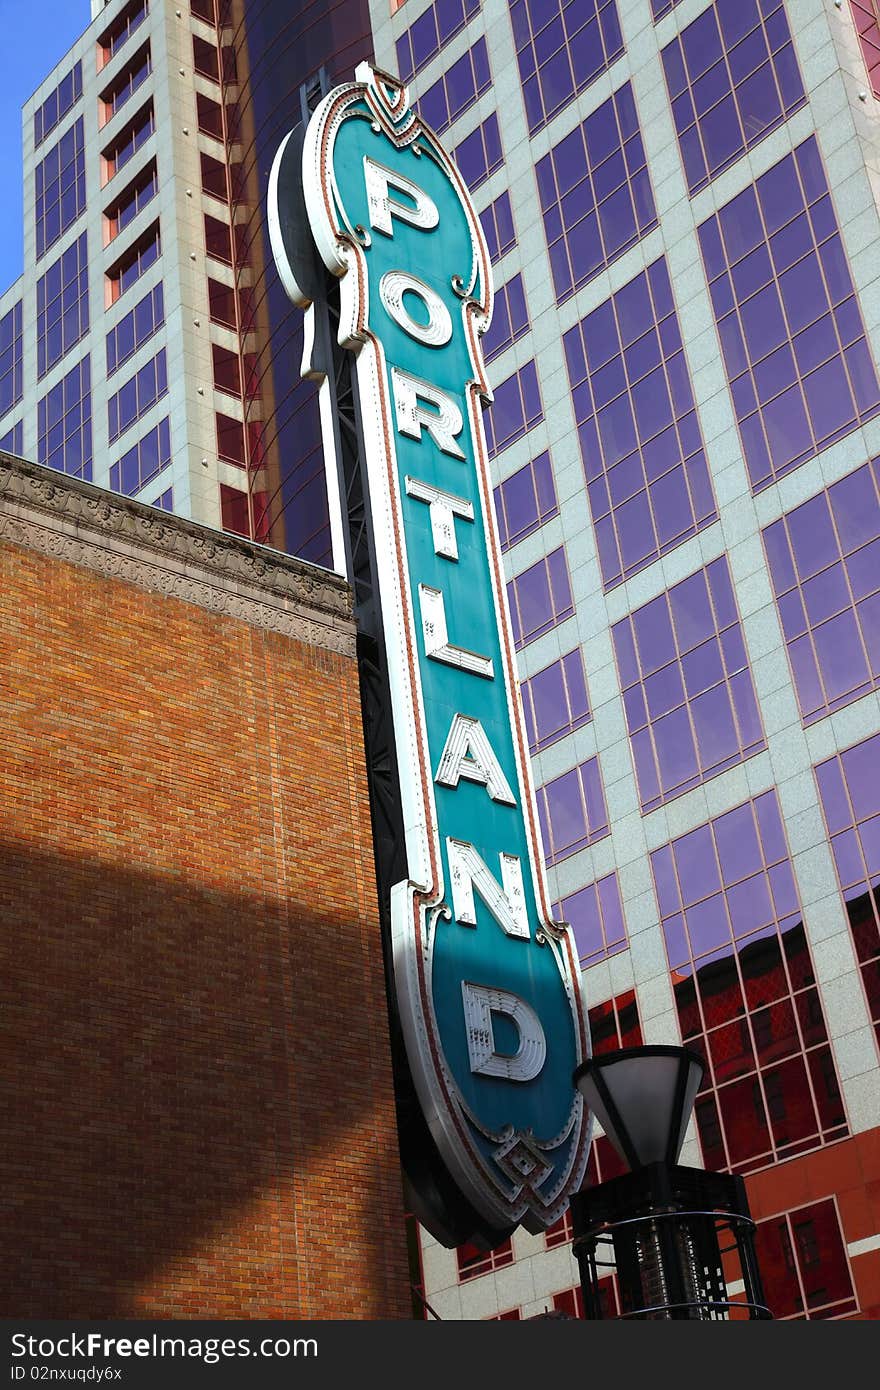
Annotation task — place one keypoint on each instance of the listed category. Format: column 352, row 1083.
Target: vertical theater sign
column 486, row 983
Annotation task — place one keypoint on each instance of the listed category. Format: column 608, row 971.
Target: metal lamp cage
column 680, row 1241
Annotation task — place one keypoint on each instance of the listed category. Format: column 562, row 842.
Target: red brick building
column 199, row 1109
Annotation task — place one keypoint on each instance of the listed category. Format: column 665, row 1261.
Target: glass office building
column 135, row 348
column 682, row 205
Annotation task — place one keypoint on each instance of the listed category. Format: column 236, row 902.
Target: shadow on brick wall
column 198, row 1111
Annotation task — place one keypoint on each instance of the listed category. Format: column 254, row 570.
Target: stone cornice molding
column 84, row 525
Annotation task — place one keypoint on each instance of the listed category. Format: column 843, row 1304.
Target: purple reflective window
column 849, row 785
column 572, row 812
column 825, row 564
column 135, row 328
column 732, row 77
column 12, row 441
column 595, row 915
column 57, row 104
column 661, row 7
column 510, row 318
column 433, row 29
column 165, row 501
column 480, row 154
column 64, row 424
column 794, row 346
column 126, row 83
column 866, row 17
column 137, row 395
column 562, row 46
column 10, row 359
column 134, row 262
column 62, row 305
column 745, row 990
column 641, row 445
column 555, row 701
column 687, row 688
column 540, row 598
column 515, row 410
column 60, row 188
column 595, row 193
column 525, row 500
column 122, row 28
column 129, row 141
column 132, row 200
column 498, row 229
column 143, row 460
column 457, row 89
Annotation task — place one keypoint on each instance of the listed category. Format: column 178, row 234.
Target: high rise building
column 683, row 208
column 147, row 347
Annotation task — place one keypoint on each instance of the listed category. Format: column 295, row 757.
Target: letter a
column 468, row 753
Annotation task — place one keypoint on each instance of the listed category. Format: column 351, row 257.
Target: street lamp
column 661, row 1225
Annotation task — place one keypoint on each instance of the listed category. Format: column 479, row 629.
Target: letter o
column 438, row 330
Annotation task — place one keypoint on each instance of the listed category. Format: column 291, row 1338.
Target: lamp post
column 678, row 1237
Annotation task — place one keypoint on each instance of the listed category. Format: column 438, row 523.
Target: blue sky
column 36, row 35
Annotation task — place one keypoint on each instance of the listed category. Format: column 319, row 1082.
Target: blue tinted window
column 62, row 305
column 540, row 598
column 510, row 318
column 137, row 395
column 572, row 811
column 10, row 359
column 135, row 262
column 595, row 915
column 60, row 184
column 555, row 701
column 480, row 154
column 64, row 424
column 122, row 28
column 127, row 143
column 457, row 89
column 143, row 461
column 595, row 193
column 165, row 500
column 12, row 441
column 432, row 30
column 498, row 229
column 732, row 77
column 562, row 46
column 798, row 361
column 525, row 500
column 516, row 408
column 57, row 104
column 641, row 444
column 114, row 97
column 661, row 7
column 139, row 324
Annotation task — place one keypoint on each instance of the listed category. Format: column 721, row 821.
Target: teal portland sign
column 487, row 984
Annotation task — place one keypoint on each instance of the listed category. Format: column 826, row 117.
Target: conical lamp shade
column 642, row 1098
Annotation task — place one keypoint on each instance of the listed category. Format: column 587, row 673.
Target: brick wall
column 200, row 1119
